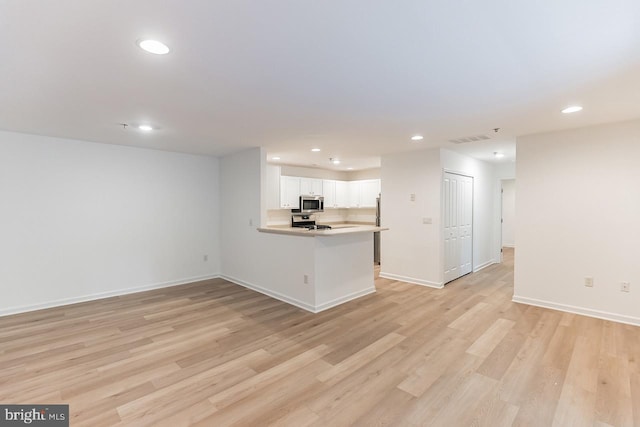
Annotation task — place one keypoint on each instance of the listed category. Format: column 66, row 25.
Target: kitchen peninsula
column 335, row 266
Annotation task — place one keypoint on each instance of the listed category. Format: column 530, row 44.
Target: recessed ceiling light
column 275, row 158
column 572, row 109
column 315, row 150
column 349, row 169
column 417, row 138
column 145, row 128
column 154, row 46
column 498, row 154
column 335, row 161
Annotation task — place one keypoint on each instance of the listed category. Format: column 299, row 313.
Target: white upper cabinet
column 329, row 193
column 337, row 194
column 289, row 192
column 342, row 194
column 369, row 191
column 310, row 187
column 363, row 194
column 354, row 194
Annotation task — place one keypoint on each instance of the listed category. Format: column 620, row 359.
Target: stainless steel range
column 307, row 221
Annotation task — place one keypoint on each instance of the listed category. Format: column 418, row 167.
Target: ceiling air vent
column 466, row 139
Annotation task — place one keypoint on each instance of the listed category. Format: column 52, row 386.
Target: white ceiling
column 355, row 78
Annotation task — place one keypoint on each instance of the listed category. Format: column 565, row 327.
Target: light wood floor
column 215, row 354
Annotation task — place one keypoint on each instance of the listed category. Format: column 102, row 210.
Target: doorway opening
column 508, row 215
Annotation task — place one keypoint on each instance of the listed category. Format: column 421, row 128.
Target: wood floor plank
column 488, row 341
column 613, row 396
column 301, row 417
column 468, row 319
column 463, row 405
column 576, row 405
column 432, row 367
column 359, row 359
column 498, row 361
column 440, row 394
column 389, row 412
column 282, row 399
column 244, row 388
column 634, row 382
column 356, row 395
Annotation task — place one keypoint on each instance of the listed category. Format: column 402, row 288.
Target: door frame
column 501, row 218
column 442, row 213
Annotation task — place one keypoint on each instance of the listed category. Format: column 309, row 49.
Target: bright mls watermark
column 34, row 415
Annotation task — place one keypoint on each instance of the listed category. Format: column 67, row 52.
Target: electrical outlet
column 588, row 282
column 205, row 258
column 250, row 222
column 427, row 220
column 625, row 286
column 412, row 197
column 306, row 279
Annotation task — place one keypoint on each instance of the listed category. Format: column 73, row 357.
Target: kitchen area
column 350, row 197
column 333, row 224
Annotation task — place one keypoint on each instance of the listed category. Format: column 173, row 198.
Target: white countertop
column 336, row 230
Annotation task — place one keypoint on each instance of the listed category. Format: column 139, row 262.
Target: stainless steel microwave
column 311, row 204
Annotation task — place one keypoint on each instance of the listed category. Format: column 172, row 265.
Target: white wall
column 288, row 170
column 410, row 250
column 577, row 216
column 508, row 212
column 240, row 210
column 373, row 173
column 251, row 258
column 505, row 170
column 81, row 220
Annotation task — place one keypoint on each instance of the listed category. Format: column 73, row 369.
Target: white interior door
column 458, row 225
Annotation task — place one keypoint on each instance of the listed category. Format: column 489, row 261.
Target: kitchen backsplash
column 283, row 216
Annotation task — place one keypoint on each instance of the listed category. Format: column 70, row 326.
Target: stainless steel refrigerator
column 376, row 235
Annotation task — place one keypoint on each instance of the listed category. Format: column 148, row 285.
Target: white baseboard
column 329, row 304
column 630, row 320
column 484, row 265
column 300, row 304
column 101, row 295
column 411, row 280
column 508, row 246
